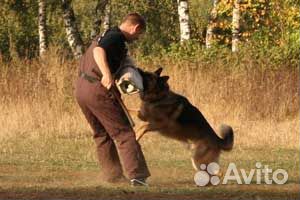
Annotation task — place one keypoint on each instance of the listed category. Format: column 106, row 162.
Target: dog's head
column 155, row 86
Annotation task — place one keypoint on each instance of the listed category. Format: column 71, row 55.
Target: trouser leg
column 105, row 148
column 115, row 122
column 131, row 154
column 108, row 158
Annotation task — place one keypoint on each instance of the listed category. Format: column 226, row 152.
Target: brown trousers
column 112, row 132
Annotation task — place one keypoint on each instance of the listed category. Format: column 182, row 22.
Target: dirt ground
column 289, row 191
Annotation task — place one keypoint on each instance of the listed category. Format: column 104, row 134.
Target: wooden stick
column 140, row 136
column 120, row 101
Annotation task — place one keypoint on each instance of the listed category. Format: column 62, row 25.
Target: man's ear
column 136, row 27
column 158, row 71
column 165, row 78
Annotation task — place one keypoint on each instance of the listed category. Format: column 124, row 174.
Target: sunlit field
column 46, row 148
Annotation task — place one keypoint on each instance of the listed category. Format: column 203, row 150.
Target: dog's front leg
column 142, row 116
column 138, row 113
column 141, row 131
column 144, row 129
column 134, row 111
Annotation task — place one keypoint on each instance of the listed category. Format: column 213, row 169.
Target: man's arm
column 101, row 60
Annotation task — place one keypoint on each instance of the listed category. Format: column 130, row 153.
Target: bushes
column 272, row 23
column 292, row 47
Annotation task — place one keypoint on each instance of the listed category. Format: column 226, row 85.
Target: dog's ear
column 158, row 71
column 165, row 78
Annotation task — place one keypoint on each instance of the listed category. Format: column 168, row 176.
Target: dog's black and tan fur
column 173, row 116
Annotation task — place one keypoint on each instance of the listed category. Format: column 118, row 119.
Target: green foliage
column 18, row 33
column 268, row 25
column 292, row 46
column 187, row 50
column 162, row 22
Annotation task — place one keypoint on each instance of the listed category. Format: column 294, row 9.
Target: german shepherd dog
column 173, row 116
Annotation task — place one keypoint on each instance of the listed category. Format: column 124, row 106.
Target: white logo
column 208, row 174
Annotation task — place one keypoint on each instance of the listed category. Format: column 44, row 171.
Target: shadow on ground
column 289, row 191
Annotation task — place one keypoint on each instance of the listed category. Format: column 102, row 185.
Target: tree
column 211, row 24
column 106, row 21
column 42, row 27
column 98, row 13
column 183, row 12
column 236, row 15
column 73, row 35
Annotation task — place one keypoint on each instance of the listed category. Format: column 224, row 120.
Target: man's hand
column 107, row 81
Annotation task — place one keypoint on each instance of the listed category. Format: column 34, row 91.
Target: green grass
column 51, row 166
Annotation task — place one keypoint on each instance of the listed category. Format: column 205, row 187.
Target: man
column 103, row 112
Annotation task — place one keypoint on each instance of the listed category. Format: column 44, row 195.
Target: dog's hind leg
column 198, row 152
column 186, row 145
column 206, row 157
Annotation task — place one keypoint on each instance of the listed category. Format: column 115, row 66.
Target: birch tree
column 106, row 20
column 42, row 28
column 73, row 35
column 211, row 24
column 236, row 15
column 183, row 12
column 98, row 13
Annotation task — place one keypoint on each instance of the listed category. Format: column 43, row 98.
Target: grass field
column 47, row 152
column 65, row 167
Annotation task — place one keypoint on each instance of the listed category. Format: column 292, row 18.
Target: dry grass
column 37, row 97
column 39, row 117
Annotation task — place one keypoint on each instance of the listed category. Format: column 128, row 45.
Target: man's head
column 133, row 25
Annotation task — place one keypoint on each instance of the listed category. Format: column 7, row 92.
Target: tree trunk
column 73, row 35
column 13, row 53
column 106, row 21
column 183, row 12
column 98, row 13
column 42, row 27
column 211, row 24
column 236, row 15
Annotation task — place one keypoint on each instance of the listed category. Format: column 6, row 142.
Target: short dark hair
column 135, row 18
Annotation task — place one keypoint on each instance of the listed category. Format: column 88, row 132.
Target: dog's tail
column 226, row 143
